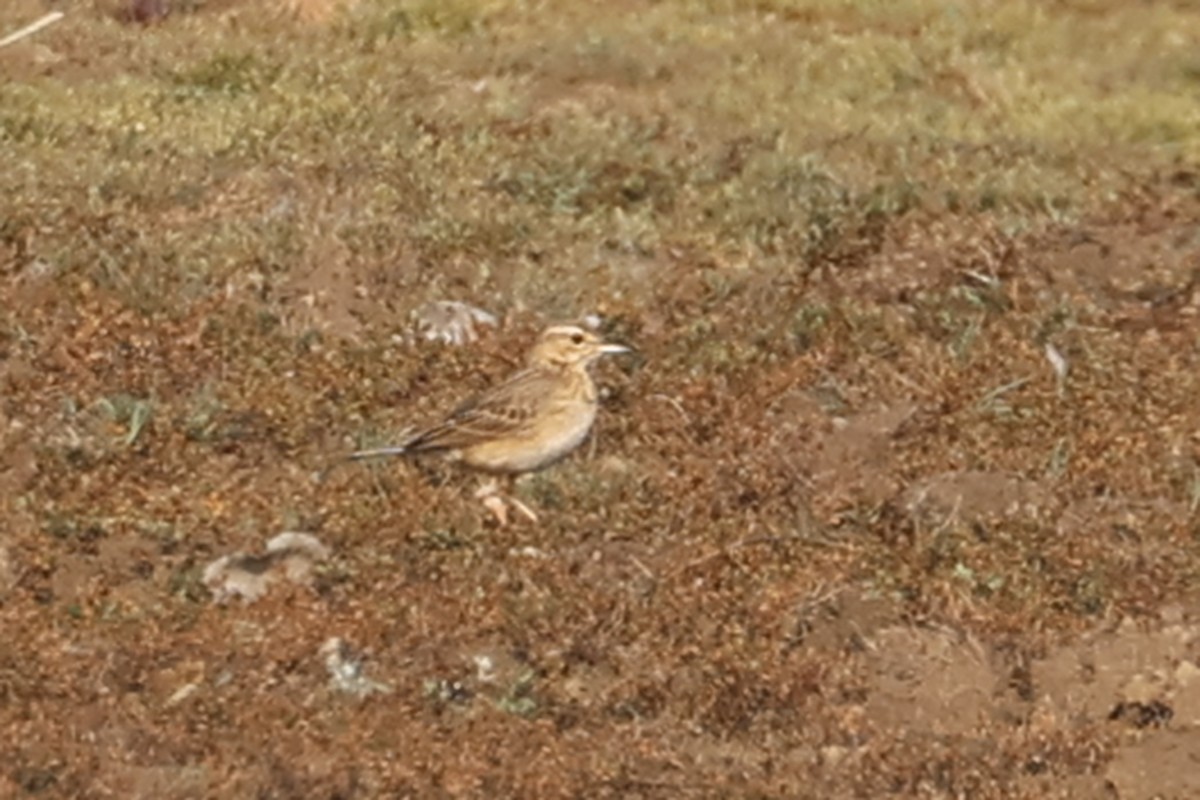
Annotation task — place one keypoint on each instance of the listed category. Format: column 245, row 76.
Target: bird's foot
column 498, row 504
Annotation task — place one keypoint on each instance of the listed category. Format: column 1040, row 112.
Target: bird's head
column 570, row 346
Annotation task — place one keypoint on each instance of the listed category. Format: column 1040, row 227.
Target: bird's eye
column 577, row 338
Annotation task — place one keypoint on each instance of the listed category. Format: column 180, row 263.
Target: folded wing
column 506, row 411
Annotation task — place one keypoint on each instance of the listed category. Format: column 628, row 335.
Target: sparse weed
column 519, row 700
column 226, row 74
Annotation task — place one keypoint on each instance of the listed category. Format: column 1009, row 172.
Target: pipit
column 526, row 423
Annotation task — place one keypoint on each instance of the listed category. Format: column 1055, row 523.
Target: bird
column 526, row 423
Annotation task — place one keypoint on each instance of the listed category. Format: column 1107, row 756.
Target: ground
column 899, row 496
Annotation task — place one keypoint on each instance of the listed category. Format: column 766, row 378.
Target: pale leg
column 497, row 503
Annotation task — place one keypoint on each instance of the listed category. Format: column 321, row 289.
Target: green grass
column 195, row 151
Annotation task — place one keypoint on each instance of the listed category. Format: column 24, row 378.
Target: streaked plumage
column 529, row 421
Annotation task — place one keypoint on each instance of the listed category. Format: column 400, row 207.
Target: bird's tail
column 360, row 455
column 379, row 452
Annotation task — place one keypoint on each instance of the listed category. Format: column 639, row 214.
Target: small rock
column 832, row 755
column 1186, row 672
column 451, row 322
column 345, row 668
column 289, row 555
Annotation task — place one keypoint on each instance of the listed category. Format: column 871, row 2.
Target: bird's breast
column 562, row 426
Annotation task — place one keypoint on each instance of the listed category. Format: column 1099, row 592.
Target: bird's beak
column 613, row 349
